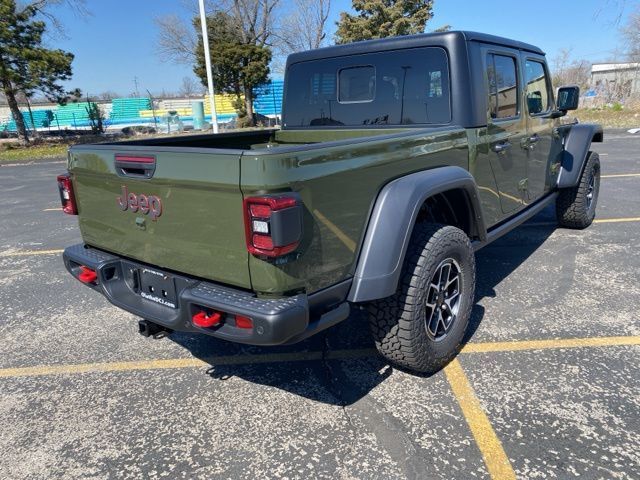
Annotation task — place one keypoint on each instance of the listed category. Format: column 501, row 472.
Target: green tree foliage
column 239, row 66
column 96, row 116
column 383, row 18
column 26, row 66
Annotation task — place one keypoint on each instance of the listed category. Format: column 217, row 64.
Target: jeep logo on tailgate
column 146, row 204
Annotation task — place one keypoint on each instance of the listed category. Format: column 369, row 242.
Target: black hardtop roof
column 408, row 41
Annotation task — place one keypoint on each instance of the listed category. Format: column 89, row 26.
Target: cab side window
column 503, row 86
column 537, row 87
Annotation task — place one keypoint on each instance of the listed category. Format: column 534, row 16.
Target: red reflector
column 262, row 241
column 260, row 211
column 202, row 319
column 243, row 322
column 87, row 275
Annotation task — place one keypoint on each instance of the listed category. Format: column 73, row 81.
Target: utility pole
column 207, row 60
column 135, row 82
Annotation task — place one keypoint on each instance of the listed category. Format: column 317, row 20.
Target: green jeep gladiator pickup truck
column 397, row 159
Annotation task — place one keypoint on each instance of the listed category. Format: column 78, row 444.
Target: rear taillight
column 67, row 196
column 273, row 224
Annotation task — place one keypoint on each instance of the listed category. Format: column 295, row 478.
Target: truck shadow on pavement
column 321, row 368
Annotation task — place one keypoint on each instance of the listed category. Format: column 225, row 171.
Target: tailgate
column 187, row 216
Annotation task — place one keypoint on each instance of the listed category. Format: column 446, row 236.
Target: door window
column 537, row 87
column 503, row 86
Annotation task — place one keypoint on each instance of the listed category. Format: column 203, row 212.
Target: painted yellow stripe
column 550, row 344
column 304, row 356
column 621, row 175
column 25, row 253
column 493, row 453
column 100, row 367
column 52, row 209
column 616, row 220
column 597, row 220
column 172, row 363
column 350, row 244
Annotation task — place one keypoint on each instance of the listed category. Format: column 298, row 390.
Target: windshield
column 401, row 87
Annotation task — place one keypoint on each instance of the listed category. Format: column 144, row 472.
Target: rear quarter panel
column 338, row 184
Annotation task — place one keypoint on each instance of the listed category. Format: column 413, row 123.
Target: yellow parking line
column 621, row 175
column 45, row 370
column 25, row 253
column 597, row 220
column 350, row 244
column 345, row 354
column 493, row 453
column 520, row 345
column 616, row 220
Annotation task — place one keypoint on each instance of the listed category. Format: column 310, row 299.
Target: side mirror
column 568, row 98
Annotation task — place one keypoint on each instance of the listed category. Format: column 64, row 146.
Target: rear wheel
column 421, row 326
column 576, row 206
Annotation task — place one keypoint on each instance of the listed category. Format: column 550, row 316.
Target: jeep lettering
column 151, row 204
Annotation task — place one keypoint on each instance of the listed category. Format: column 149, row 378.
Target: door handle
column 529, row 143
column 501, row 147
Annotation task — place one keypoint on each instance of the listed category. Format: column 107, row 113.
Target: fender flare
column 391, row 223
column 576, row 149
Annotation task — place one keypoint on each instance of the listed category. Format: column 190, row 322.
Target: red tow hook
column 203, row 320
column 87, row 275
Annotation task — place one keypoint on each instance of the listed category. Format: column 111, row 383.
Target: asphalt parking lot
column 548, row 385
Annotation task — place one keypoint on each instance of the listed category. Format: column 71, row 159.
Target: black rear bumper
column 275, row 321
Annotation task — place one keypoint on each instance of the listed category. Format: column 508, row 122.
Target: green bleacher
column 71, row 115
column 41, row 119
column 125, row 108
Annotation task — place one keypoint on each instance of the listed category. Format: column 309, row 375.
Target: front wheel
column 576, row 206
column 422, row 326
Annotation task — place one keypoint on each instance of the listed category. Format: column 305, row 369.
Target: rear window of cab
column 401, row 87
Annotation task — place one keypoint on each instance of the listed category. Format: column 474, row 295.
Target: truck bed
column 203, row 179
column 255, row 140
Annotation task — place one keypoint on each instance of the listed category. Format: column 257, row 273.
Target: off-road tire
column 399, row 322
column 576, row 206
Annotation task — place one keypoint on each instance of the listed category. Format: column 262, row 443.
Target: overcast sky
column 117, row 43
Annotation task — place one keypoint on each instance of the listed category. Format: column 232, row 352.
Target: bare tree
column 570, row 72
column 46, row 9
column 305, row 27
column 631, row 35
column 107, row 95
column 190, row 88
column 176, row 40
column 252, row 23
column 255, row 19
column 613, row 8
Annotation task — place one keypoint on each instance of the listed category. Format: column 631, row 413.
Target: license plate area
column 159, row 287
